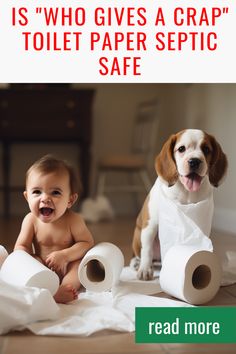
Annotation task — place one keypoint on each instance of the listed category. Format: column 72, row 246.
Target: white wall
column 221, row 122
column 212, row 107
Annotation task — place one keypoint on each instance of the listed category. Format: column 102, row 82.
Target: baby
column 52, row 232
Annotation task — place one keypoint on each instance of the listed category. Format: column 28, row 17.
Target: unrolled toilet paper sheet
column 20, row 306
column 181, row 224
column 95, row 312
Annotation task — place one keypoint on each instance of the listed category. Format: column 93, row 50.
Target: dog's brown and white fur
column 189, row 165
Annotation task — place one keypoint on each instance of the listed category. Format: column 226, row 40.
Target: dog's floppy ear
column 165, row 162
column 218, row 163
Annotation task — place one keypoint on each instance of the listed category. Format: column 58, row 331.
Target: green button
column 185, row 324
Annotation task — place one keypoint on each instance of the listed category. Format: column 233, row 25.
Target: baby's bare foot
column 65, row 293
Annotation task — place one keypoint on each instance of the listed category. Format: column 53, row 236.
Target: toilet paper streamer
column 21, row 269
column 184, row 224
column 100, row 268
column 3, row 255
column 190, row 275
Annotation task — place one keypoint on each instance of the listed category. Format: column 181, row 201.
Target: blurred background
column 85, row 122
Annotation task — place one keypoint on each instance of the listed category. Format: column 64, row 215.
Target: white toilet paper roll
column 190, row 275
column 3, row 255
column 22, row 269
column 100, row 268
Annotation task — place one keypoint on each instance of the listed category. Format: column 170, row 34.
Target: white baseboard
column 225, row 220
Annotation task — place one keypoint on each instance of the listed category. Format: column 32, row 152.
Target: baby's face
column 48, row 195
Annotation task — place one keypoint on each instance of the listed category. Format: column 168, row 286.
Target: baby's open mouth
column 46, row 211
column 192, row 182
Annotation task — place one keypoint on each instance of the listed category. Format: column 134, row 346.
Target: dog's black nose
column 194, row 163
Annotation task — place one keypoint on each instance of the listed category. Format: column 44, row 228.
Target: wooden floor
column 119, row 232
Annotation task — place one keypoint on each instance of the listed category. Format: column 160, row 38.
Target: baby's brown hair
column 49, row 164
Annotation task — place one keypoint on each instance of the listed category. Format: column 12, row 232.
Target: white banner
column 117, row 41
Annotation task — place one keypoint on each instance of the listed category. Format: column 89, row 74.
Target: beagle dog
column 189, row 165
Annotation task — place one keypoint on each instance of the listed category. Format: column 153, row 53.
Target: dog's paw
column 145, row 273
column 135, row 263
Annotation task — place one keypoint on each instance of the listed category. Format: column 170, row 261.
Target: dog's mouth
column 46, row 211
column 192, row 182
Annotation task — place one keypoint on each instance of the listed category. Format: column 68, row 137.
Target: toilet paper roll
column 190, row 274
column 3, row 255
column 101, row 267
column 22, row 269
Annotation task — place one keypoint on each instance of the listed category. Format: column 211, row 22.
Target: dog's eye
column 206, row 150
column 182, row 148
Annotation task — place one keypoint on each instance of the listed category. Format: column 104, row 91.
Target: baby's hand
column 57, row 262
